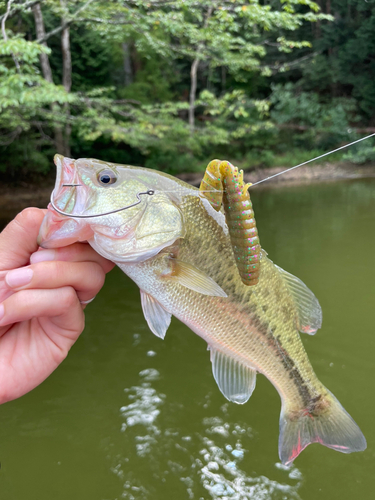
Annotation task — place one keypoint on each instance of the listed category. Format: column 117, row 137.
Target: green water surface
column 129, row 416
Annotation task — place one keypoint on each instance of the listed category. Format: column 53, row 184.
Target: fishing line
column 313, row 159
column 296, row 166
column 151, row 192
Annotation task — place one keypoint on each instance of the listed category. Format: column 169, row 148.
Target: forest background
column 172, row 84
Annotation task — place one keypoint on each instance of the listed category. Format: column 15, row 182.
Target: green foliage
column 325, row 121
column 133, row 104
column 286, row 159
column 364, row 152
column 153, row 83
column 24, row 93
column 346, row 65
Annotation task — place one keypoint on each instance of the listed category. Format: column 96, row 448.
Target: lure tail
column 223, row 184
column 333, row 427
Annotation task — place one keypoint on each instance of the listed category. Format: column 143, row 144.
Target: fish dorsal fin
column 235, row 380
column 308, row 307
column 191, row 277
column 158, row 319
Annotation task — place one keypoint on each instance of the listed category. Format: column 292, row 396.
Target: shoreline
column 14, row 199
column 302, row 175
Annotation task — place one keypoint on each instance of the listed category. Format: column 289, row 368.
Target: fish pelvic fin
column 331, row 426
column 158, row 319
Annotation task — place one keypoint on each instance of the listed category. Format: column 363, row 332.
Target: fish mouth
column 68, row 196
column 64, row 195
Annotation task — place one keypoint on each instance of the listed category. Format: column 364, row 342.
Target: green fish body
column 177, row 248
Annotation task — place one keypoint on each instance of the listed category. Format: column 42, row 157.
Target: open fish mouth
column 64, row 195
column 68, row 196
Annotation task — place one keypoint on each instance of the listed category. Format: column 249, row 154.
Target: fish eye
column 106, row 177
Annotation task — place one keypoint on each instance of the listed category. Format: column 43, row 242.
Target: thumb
column 18, row 239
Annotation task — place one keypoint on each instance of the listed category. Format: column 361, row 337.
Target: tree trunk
column 128, row 73
column 47, row 74
column 193, row 90
column 193, row 76
column 67, row 77
column 67, row 59
column 40, row 32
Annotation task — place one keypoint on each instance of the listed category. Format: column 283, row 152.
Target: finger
column 4, row 288
column 78, row 252
column 87, row 278
column 60, row 305
column 18, row 239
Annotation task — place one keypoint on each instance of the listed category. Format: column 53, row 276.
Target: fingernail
column 2, row 311
column 42, row 256
column 19, row 277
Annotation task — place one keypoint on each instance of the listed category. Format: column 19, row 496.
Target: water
column 129, row 416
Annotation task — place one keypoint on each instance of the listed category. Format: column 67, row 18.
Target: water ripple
column 213, row 460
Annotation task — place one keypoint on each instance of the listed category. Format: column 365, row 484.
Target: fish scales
column 238, row 325
column 175, row 244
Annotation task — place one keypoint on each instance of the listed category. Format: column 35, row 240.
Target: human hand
column 42, row 295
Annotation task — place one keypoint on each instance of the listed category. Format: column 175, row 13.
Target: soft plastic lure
column 223, row 184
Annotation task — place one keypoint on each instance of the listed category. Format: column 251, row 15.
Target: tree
column 231, row 38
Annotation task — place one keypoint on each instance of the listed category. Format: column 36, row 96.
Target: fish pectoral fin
column 308, row 307
column 189, row 276
column 235, row 380
column 158, row 319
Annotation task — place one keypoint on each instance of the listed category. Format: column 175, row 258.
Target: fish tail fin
column 326, row 423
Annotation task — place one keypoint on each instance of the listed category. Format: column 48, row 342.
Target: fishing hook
column 150, row 192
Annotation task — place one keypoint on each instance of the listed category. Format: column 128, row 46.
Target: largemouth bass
column 171, row 240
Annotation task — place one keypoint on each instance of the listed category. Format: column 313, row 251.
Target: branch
column 285, row 65
column 4, row 32
column 6, row 139
column 65, row 24
column 126, row 101
column 19, row 7
column 3, row 21
column 104, row 21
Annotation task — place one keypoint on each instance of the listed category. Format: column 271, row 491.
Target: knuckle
column 98, row 276
column 59, row 355
column 68, row 298
column 59, row 270
column 81, row 323
column 23, row 297
column 49, row 270
column 29, row 216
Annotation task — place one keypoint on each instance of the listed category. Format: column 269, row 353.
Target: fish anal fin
column 158, row 319
column 193, row 278
column 308, row 307
column 333, row 428
column 235, row 380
